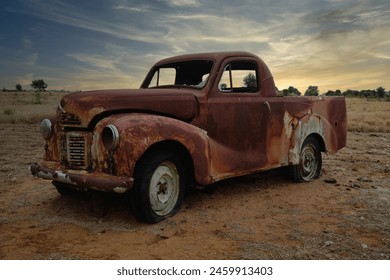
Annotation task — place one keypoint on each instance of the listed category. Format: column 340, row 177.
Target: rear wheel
column 159, row 187
column 310, row 161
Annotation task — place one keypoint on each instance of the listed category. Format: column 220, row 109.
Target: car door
column 238, row 119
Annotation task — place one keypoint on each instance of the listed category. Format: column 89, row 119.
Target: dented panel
column 139, row 132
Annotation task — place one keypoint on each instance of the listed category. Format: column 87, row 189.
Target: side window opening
column 239, row 77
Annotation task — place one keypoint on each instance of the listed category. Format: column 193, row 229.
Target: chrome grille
column 74, row 150
column 76, row 153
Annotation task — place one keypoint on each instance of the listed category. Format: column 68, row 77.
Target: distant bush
column 379, row 93
column 312, row 91
column 334, row 93
column 9, row 111
column 38, row 98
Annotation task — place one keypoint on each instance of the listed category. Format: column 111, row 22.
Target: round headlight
column 110, row 137
column 46, row 128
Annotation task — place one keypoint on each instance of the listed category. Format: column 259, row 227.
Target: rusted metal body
column 222, row 133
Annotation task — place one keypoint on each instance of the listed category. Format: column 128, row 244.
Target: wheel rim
column 164, row 188
column 309, row 162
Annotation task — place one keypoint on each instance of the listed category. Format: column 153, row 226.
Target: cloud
column 27, row 43
column 131, row 9
column 96, row 61
column 113, row 65
column 70, row 15
column 183, row 3
column 31, row 59
column 348, row 16
column 164, row 27
column 25, row 80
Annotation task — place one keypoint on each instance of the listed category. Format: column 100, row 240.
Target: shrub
column 9, row 111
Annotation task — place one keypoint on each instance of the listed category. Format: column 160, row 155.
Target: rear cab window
column 239, row 76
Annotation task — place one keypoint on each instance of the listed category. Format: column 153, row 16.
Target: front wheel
column 310, row 161
column 159, row 187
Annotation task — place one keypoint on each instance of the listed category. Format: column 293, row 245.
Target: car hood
column 81, row 108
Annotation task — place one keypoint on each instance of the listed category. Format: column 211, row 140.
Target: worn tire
column 310, row 161
column 158, row 187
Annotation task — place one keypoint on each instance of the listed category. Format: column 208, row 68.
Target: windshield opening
column 193, row 73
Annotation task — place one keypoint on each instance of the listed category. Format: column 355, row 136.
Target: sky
column 91, row 44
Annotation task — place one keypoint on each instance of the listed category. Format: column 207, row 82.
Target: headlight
column 46, row 128
column 110, row 137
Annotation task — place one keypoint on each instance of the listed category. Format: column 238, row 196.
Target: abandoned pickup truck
column 196, row 119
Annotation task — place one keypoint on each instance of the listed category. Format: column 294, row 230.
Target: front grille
column 76, row 146
column 67, row 119
column 74, row 149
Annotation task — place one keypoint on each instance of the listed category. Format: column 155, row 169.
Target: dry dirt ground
column 343, row 215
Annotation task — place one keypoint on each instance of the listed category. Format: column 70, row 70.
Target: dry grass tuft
column 366, row 115
column 27, row 107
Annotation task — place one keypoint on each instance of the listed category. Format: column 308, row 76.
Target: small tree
column 285, row 92
column 39, row 85
column 293, row 90
column 18, row 87
column 250, row 81
column 330, row 93
column 380, row 92
column 312, row 91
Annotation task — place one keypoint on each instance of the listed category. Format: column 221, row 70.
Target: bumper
column 76, row 179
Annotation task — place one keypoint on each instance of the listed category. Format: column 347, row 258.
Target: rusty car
column 195, row 120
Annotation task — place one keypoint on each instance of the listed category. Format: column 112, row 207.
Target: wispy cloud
column 131, row 9
column 31, row 59
column 27, row 43
column 183, row 3
column 96, row 61
column 63, row 13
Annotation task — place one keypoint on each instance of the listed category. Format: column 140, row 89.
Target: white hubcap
column 164, row 188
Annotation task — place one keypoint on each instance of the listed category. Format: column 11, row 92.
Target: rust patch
column 82, row 180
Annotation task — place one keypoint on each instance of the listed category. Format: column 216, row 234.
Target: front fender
column 138, row 132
